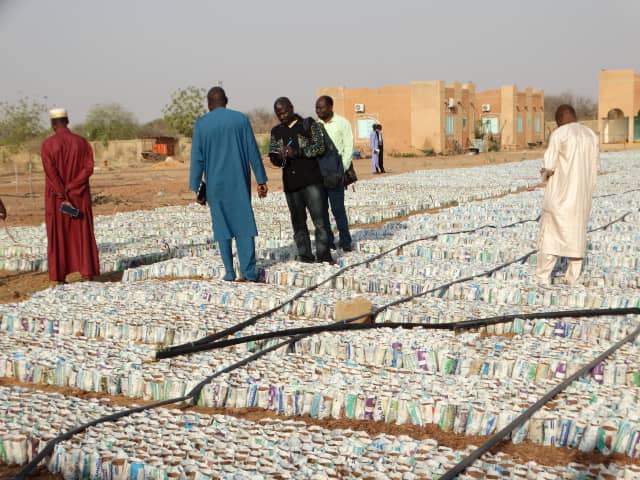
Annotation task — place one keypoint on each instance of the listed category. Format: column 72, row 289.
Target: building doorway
column 615, row 127
column 636, row 127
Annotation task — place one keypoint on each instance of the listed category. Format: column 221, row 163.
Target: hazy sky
column 80, row 53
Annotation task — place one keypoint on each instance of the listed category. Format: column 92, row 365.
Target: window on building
column 520, row 128
column 464, row 122
column 365, row 127
column 490, row 125
column 450, row 125
column 536, row 124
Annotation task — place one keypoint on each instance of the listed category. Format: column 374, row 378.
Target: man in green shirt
column 339, row 130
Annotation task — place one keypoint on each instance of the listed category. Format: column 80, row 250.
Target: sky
column 80, row 53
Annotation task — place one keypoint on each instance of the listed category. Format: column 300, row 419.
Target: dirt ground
column 166, row 183
column 523, row 452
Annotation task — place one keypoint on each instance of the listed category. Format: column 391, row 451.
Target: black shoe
column 347, row 249
column 332, row 246
column 303, row 259
column 255, row 280
column 328, row 260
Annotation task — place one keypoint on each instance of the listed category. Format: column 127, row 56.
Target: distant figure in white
column 570, row 169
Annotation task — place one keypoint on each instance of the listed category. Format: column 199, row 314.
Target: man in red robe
column 67, row 159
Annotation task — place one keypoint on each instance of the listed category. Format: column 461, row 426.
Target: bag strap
column 306, row 124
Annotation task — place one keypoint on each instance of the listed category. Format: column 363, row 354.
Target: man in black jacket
column 295, row 149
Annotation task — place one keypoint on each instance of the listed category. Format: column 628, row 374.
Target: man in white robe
column 570, row 169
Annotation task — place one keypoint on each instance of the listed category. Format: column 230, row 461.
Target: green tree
column 186, row 105
column 21, row 122
column 109, row 121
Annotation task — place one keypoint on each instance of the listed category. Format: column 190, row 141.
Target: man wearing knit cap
column 67, row 160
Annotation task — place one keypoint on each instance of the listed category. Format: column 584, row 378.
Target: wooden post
column 30, row 177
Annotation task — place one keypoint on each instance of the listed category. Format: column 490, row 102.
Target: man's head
column 565, row 114
column 379, row 127
column 283, row 109
column 59, row 118
column 216, row 98
column 324, row 108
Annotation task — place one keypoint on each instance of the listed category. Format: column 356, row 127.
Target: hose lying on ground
column 195, row 392
column 343, row 326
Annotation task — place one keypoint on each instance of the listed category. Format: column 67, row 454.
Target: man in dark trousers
column 380, row 148
column 339, row 130
column 67, row 160
column 295, row 149
column 377, row 148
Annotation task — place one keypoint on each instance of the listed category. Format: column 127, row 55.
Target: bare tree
column 261, row 120
column 157, row 127
column 586, row 107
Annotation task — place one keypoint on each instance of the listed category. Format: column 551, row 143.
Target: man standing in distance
column 376, row 149
column 295, row 149
column 380, row 148
column 224, row 149
column 339, row 130
column 67, row 160
column 570, row 168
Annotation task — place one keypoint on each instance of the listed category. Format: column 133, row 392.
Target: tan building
column 513, row 119
column 619, row 106
column 433, row 116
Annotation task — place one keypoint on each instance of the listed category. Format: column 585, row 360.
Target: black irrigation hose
column 192, row 395
column 252, row 320
column 604, row 227
column 618, row 193
column 48, row 449
column 192, row 347
column 189, row 347
column 493, row 441
column 455, row 326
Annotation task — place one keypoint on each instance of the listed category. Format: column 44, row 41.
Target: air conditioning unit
column 359, row 107
column 486, row 107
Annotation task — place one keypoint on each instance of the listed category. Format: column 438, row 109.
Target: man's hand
column 546, row 174
column 67, row 202
column 377, row 150
column 276, row 159
column 262, row 190
column 288, row 152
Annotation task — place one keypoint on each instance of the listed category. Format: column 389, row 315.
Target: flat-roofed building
column 619, row 106
column 443, row 118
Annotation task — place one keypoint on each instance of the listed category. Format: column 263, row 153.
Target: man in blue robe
column 224, row 149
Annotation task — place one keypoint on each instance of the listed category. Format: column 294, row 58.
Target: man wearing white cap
column 67, row 160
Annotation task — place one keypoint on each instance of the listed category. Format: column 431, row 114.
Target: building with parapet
column 619, row 106
column 431, row 116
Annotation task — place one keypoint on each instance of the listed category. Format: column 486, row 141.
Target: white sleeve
column 550, row 161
